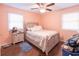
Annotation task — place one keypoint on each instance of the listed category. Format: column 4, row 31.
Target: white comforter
column 41, row 36
column 42, row 33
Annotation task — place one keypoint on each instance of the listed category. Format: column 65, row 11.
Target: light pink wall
column 4, row 10
column 52, row 20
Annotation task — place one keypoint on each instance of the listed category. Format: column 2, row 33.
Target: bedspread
column 41, row 37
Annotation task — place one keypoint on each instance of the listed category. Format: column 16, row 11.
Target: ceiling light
column 42, row 10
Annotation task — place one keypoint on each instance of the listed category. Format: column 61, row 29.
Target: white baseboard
column 5, row 44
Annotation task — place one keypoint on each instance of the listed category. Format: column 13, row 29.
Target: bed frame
column 53, row 41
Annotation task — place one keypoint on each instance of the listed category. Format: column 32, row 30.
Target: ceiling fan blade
column 34, row 8
column 38, row 4
column 49, row 9
column 50, row 4
column 42, row 3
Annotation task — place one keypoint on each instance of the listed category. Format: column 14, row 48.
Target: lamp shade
column 42, row 10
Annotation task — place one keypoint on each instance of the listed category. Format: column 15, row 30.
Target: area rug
column 25, row 46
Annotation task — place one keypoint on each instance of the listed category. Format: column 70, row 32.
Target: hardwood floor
column 14, row 50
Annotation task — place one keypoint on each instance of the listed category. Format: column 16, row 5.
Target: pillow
column 28, row 28
column 36, row 28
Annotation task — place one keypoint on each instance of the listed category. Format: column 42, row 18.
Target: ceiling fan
column 43, row 7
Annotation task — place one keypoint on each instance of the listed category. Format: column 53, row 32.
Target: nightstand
column 17, row 37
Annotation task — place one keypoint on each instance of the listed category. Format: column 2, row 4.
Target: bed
column 43, row 39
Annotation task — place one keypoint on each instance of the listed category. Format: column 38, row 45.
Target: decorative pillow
column 28, row 29
column 36, row 28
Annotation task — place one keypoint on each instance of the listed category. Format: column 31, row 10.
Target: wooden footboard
column 52, row 42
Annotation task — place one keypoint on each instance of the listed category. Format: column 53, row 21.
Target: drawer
column 18, row 38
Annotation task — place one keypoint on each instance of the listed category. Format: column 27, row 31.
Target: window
column 70, row 21
column 15, row 20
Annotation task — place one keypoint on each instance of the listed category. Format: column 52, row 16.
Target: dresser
column 17, row 37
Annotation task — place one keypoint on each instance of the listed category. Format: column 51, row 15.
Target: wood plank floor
column 14, row 50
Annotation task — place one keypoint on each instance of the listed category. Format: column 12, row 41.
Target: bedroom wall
column 52, row 20
column 4, row 10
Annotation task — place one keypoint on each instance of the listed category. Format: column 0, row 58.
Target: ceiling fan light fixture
column 42, row 10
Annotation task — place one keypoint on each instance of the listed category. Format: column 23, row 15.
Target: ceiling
column 28, row 6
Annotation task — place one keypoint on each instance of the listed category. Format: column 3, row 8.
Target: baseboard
column 5, row 44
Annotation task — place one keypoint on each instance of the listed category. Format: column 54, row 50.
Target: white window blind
column 15, row 20
column 70, row 21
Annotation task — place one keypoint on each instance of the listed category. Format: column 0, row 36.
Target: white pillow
column 36, row 28
column 28, row 29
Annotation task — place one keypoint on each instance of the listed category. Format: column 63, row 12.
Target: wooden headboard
column 31, row 24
